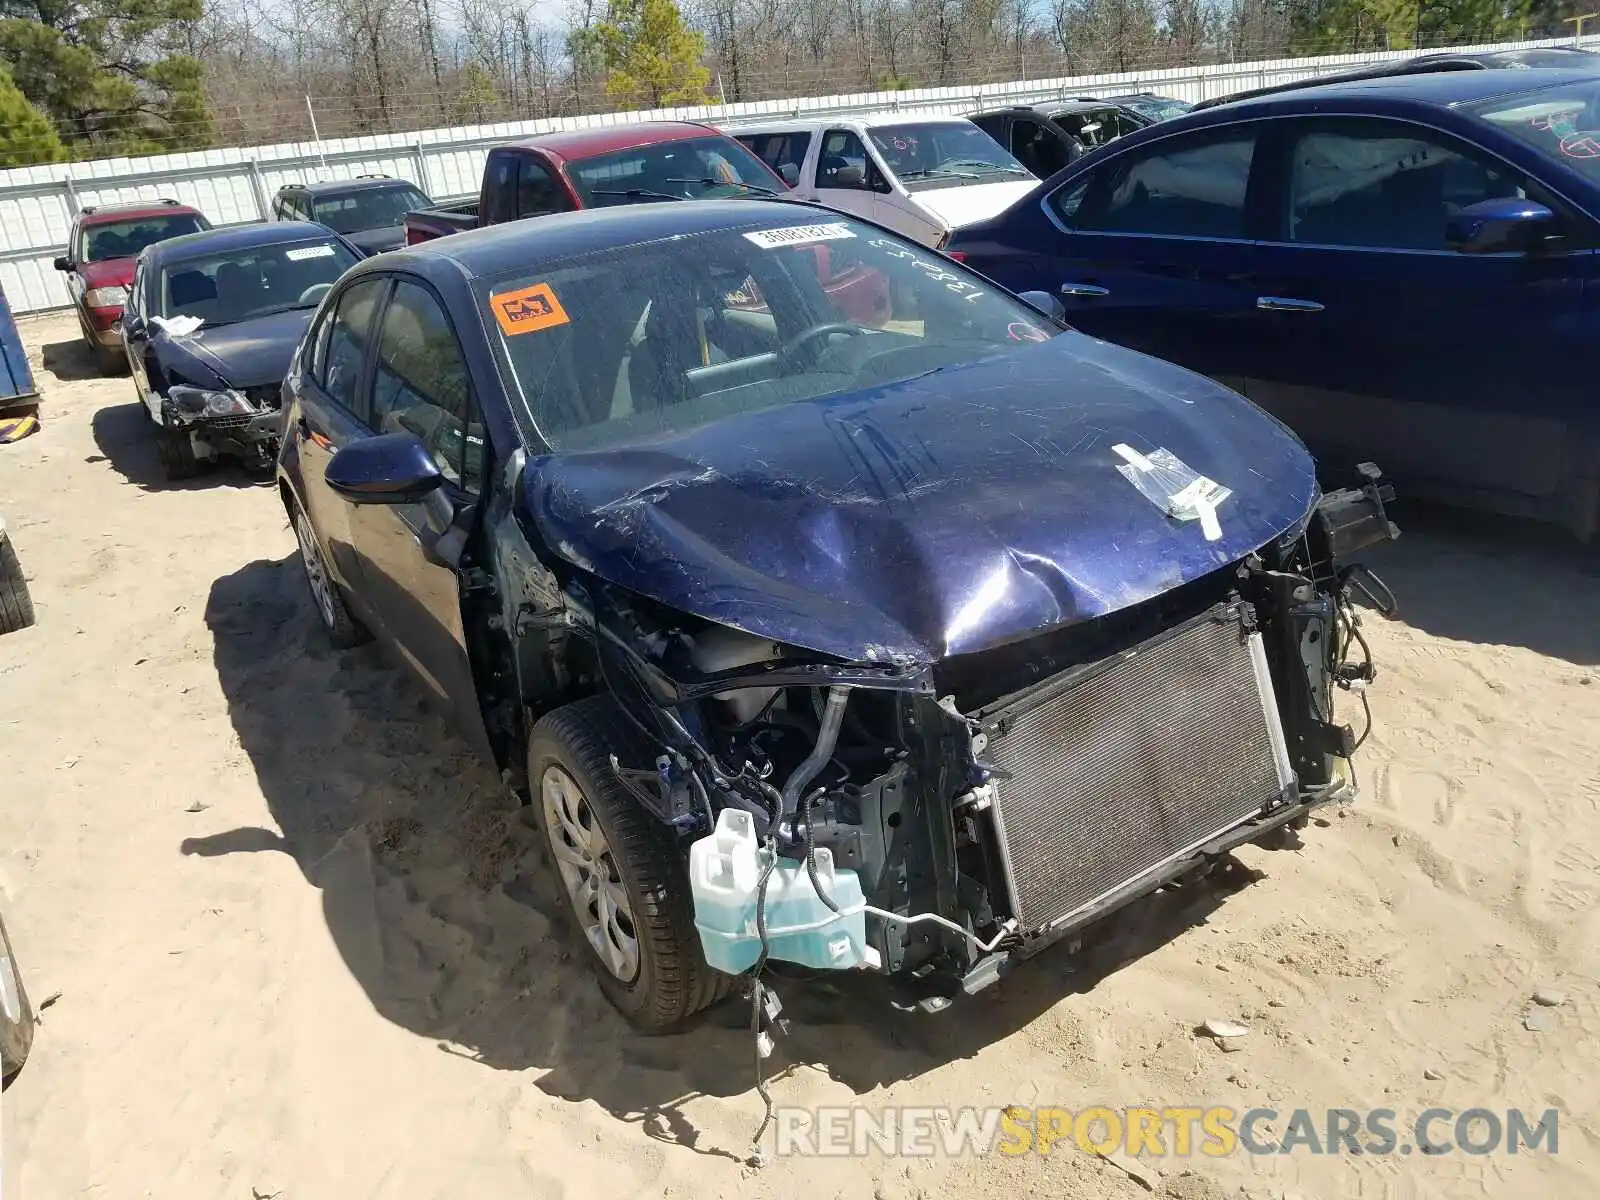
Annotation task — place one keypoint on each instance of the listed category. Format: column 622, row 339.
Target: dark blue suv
column 1400, row 269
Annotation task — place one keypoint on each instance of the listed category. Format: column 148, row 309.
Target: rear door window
column 1181, row 187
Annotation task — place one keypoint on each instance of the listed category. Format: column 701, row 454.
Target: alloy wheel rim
column 10, row 993
column 316, row 574
column 589, row 872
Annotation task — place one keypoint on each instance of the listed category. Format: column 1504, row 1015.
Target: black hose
column 822, row 752
column 811, row 855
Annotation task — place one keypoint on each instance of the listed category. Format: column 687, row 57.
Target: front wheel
column 16, row 605
column 16, row 1013
column 342, row 628
column 622, row 878
column 177, row 453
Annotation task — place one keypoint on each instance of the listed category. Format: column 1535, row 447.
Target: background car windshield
column 1154, row 109
column 370, row 208
column 1564, row 122
column 125, row 239
column 693, row 169
column 638, row 341
column 252, row 282
column 945, row 154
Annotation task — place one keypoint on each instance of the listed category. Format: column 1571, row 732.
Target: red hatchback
column 99, row 263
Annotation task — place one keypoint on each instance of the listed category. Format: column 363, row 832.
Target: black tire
column 672, row 982
column 177, row 453
column 16, row 1013
column 341, row 626
column 16, row 606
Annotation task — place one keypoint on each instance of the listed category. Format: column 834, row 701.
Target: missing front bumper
column 252, row 437
column 1110, row 771
column 935, row 989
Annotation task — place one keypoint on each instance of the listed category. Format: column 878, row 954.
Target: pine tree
column 649, row 52
column 27, row 137
column 112, row 74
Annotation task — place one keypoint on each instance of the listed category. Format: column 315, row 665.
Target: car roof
column 489, row 250
column 105, row 213
column 1435, row 65
column 869, row 120
column 1444, row 89
column 322, row 187
column 573, row 145
column 237, row 237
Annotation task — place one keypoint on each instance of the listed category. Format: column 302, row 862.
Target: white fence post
column 423, row 181
column 263, row 206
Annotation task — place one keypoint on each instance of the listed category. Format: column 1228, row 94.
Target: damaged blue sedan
column 909, row 636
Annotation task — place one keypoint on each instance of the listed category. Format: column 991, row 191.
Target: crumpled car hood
column 246, row 354
column 949, row 513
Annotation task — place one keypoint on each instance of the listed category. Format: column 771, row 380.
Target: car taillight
column 955, row 255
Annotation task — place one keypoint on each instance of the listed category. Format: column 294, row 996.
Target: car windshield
column 1157, row 108
column 1562, row 121
column 124, row 239
column 691, row 169
column 944, row 154
column 637, row 341
column 369, row 208
column 252, row 281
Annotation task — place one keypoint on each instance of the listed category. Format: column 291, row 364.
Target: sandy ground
column 291, row 925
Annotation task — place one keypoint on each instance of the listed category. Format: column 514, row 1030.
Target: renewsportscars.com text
column 1176, row 1131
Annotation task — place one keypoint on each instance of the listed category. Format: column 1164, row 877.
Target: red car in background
column 646, row 163
column 101, row 249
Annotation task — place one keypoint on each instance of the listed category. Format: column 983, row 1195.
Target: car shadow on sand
column 435, row 898
column 1494, row 581
column 126, row 438
column 72, row 361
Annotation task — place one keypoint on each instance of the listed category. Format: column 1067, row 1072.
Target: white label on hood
column 1174, row 487
column 179, row 326
column 301, row 253
column 798, row 235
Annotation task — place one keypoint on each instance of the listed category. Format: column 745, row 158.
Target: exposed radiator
column 1123, row 766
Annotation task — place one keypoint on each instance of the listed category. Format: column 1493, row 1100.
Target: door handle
column 1084, row 289
column 1287, row 304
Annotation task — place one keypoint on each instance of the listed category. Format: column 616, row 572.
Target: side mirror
column 879, row 184
column 1499, row 226
column 790, row 174
column 391, row 468
column 63, row 263
column 132, row 326
column 851, row 177
column 1046, row 302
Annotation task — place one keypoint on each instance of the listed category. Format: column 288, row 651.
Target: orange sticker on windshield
column 530, row 309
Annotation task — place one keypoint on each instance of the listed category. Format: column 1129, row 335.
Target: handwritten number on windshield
column 934, row 272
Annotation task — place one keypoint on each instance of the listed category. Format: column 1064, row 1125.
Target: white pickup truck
column 920, row 174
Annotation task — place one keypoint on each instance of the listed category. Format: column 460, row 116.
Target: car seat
column 193, row 290
column 238, row 290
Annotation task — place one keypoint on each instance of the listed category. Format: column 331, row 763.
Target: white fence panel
column 37, row 204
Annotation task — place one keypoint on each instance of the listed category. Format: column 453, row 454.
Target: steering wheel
column 314, row 293
column 790, row 351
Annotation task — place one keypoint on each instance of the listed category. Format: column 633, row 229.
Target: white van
column 921, row 174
